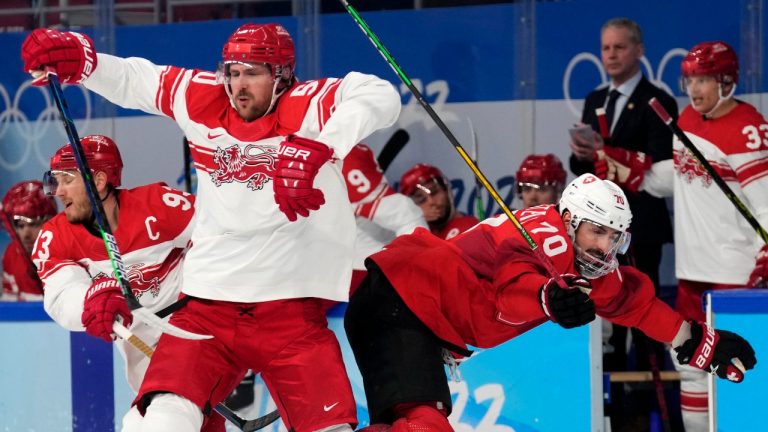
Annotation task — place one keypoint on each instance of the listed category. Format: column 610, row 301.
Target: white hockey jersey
column 153, row 233
column 381, row 214
column 713, row 242
column 245, row 249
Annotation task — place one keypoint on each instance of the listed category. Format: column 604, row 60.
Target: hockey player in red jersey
column 431, row 190
column 152, row 224
column 275, row 232
column 25, row 208
column 424, row 296
column 540, row 180
column 381, row 214
column 731, row 134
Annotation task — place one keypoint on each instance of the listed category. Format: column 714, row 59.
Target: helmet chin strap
column 721, row 99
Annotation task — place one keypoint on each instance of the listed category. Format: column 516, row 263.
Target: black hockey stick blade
column 247, row 425
column 393, row 146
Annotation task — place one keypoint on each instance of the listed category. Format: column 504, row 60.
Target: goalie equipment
column 101, row 154
column 603, row 203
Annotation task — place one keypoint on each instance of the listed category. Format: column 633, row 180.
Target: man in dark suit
column 633, row 138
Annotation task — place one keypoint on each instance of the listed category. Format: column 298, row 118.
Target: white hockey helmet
column 602, row 203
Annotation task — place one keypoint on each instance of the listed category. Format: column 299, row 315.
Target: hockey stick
column 479, row 204
column 392, row 148
column 187, row 168
column 543, row 258
column 241, row 423
column 16, row 240
column 667, row 119
column 139, row 312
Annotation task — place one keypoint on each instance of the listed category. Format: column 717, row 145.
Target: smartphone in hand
column 583, row 136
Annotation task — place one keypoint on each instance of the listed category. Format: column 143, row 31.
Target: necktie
column 611, row 107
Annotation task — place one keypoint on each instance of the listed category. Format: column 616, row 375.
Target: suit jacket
column 637, row 129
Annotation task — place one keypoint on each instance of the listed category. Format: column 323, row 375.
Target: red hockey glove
column 601, row 165
column 568, row 307
column 759, row 276
column 627, row 168
column 71, row 55
column 104, row 302
column 298, row 161
column 717, row 351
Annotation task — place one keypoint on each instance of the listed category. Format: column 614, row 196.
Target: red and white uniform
column 381, row 213
column 491, row 294
column 18, row 283
column 713, row 242
column 154, row 229
column 245, row 249
column 457, row 225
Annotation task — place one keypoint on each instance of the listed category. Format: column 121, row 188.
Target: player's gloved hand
column 759, row 276
column 71, row 55
column 717, row 351
column 626, row 168
column 104, row 302
column 570, row 307
column 299, row 160
column 601, row 165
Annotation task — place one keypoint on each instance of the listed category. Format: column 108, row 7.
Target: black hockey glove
column 718, row 352
column 570, row 307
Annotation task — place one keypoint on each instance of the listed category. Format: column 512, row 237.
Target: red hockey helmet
column 262, row 43
column 26, row 201
column 715, row 59
column 420, row 174
column 101, row 153
column 541, row 170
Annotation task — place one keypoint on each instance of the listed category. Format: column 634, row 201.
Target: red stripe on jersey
column 203, row 157
column 43, row 273
column 752, row 170
column 693, row 401
column 166, row 90
column 368, row 210
column 724, row 171
column 327, row 103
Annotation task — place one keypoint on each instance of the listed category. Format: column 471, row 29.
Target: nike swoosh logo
column 210, row 137
column 327, row 408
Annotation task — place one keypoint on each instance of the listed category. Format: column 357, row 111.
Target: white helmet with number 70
column 603, row 205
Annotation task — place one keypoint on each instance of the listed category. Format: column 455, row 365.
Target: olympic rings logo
column 28, row 132
column 657, row 79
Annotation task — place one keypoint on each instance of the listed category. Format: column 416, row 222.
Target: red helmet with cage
column 26, row 200
column 262, row 43
column 541, row 170
column 715, row 59
column 101, row 153
column 420, row 174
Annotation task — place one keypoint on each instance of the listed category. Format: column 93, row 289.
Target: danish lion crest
column 254, row 165
column 689, row 168
column 139, row 284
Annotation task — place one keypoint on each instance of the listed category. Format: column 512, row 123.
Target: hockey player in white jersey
column 715, row 248
column 381, row 213
column 266, row 252
column 153, row 226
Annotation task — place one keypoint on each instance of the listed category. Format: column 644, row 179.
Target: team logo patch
column 254, row 165
column 689, row 168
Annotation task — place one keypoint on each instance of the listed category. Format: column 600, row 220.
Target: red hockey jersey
column 18, row 283
column 481, row 288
